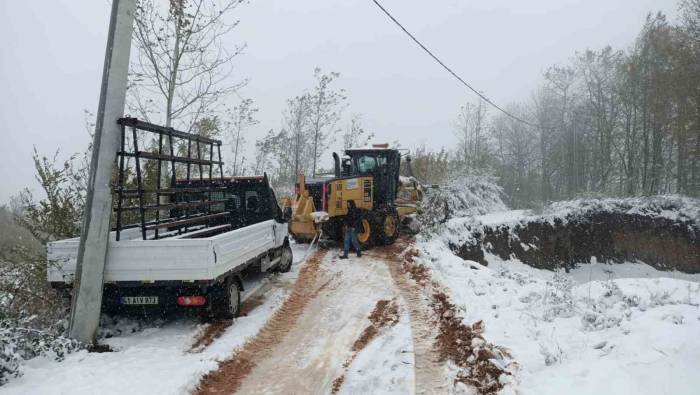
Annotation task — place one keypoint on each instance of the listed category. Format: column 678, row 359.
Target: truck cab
column 248, row 200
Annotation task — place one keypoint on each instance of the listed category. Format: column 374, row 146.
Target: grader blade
column 302, row 225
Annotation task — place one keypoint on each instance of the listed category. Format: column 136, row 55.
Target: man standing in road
column 353, row 221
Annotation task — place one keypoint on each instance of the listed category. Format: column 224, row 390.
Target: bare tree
column 690, row 17
column 355, row 135
column 182, row 67
column 545, row 103
column 471, row 123
column 297, row 128
column 599, row 72
column 325, row 110
column 264, row 148
column 559, row 82
column 239, row 119
column 517, row 148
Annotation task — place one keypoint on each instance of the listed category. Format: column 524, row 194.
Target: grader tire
column 388, row 226
column 364, row 234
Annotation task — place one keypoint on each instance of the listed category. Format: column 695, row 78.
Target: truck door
column 279, row 225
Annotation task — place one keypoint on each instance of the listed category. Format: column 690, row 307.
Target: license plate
column 139, row 300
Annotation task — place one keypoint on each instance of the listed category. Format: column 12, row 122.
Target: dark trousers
column 350, row 237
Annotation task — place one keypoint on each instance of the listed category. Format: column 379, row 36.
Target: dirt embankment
column 660, row 242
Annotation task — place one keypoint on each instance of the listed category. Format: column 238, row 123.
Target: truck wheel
column 364, row 235
column 388, row 227
column 226, row 300
column 286, row 259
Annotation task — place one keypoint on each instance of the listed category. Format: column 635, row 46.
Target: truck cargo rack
column 143, row 192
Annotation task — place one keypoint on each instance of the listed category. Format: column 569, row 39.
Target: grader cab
column 368, row 176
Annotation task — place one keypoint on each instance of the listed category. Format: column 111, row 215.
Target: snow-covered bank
column 152, row 360
column 610, row 323
column 607, row 329
column 661, row 231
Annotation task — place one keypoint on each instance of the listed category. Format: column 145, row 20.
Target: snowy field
column 600, row 329
column 150, row 360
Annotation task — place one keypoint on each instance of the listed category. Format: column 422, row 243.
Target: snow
column 155, row 360
column 461, row 199
column 473, row 195
column 601, row 328
column 604, row 329
column 407, row 180
column 319, row 216
column 386, row 363
column 500, row 217
column 607, row 271
column 483, row 209
column 672, row 207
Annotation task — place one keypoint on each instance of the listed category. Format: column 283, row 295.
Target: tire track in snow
column 231, row 373
column 430, row 371
column 313, row 354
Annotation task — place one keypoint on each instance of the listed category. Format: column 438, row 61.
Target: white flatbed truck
column 202, row 268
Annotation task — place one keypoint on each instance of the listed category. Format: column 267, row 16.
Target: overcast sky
column 51, row 55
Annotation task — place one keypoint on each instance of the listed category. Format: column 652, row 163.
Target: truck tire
column 286, row 259
column 388, row 226
column 226, row 300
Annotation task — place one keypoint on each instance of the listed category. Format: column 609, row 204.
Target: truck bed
column 170, row 259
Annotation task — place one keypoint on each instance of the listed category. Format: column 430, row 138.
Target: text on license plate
column 139, row 300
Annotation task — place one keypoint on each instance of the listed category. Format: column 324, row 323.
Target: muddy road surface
column 320, row 340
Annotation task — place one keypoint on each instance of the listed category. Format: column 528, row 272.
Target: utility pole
column 94, row 236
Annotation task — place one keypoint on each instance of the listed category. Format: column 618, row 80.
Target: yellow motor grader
column 370, row 177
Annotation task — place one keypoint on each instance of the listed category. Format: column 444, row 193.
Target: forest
column 610, row 122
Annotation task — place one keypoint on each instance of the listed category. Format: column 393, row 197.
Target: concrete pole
column 94, row 237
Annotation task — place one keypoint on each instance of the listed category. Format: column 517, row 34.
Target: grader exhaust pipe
column 336, row 165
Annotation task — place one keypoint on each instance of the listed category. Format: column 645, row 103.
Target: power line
column 449, row 70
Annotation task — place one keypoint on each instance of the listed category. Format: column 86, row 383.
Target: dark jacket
column 354, row 218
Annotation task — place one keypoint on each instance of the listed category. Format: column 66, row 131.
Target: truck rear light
column 191, row 300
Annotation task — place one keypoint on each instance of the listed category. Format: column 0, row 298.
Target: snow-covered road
column 322, row 339
column 313, row 353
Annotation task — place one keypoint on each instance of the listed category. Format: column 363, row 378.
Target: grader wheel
column 387, row 227
column 364, row 235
